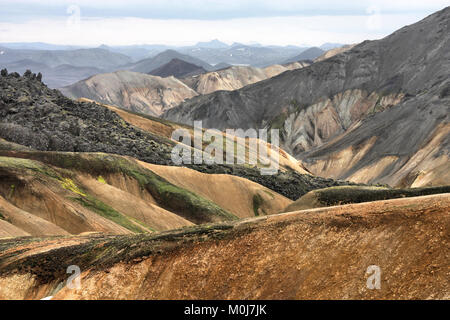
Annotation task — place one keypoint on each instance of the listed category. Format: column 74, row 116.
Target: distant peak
column 212, row 44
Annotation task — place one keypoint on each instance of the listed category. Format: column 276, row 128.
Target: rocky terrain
column 316, row 254
column 375, row 113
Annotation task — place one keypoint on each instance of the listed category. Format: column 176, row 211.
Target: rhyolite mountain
column 376, row 113
column 236, row 77
column 133, row 91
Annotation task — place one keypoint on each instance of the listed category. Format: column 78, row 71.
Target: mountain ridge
column 314, row 105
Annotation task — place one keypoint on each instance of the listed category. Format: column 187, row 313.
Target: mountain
column 133, row 91
column 221, row 65
column 376, row 113
column 240, row 54
column 178, row 69
column 138, row 52
column 215, row 44
column 329, row 46
column 98, row 58
column 309, row 54
column 235, row 77
column 38, row 46
column 56, row 77
column 150, row 64
column 61, row 67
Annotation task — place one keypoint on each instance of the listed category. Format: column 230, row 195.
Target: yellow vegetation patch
column 68, row 184
column 101, row 179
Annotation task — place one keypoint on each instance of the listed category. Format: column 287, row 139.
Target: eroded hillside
column 132, row 91
column 316, row 254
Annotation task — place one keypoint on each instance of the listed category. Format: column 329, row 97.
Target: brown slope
column 315, row 254
column 8, row 230
column 239, row 196
column 31, row 224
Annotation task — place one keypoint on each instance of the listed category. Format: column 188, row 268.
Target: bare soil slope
column 239, row 196
column 314, row 254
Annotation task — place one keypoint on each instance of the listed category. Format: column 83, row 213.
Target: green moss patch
column 258, row 201
column 107, row 212
column 27, row 164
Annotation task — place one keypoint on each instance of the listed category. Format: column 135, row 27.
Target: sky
column 185, row 22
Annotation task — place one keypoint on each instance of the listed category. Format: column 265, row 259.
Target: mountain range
column 155, row 93
column 375, row 113
column 82, row 62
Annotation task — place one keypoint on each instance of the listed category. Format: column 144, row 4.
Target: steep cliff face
column 389, row 97
column 132, row 91
column 316, row 254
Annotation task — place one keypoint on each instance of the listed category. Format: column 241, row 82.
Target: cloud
column 313, row 30
column 189, row 21
column 214, row 9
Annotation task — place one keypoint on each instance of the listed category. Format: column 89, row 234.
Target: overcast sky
column 184, row 22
